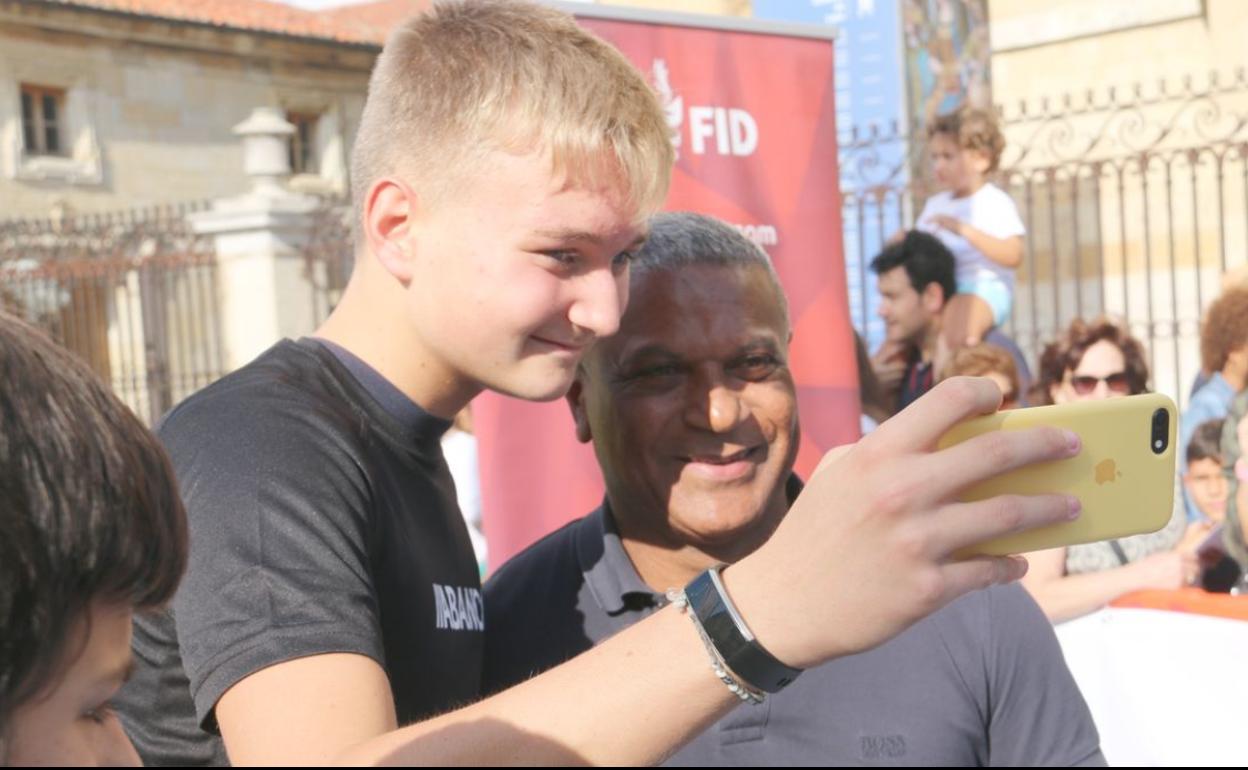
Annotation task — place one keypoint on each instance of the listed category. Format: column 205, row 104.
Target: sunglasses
column 1116, row 382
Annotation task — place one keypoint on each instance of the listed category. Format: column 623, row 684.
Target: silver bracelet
column 735, row 685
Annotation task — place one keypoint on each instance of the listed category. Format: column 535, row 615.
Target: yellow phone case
column 1126, row 488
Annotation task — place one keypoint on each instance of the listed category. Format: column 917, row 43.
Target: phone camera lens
column 1161, row 431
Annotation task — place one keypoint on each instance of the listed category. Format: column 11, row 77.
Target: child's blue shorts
column 993, row 291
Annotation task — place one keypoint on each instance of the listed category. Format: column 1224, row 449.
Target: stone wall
column 149, row 106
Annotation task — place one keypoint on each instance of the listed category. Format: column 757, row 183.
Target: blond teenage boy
column 504, row 165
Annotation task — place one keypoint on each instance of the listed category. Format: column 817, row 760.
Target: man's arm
column 812, row 593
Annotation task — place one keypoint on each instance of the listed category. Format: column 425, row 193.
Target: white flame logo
column 673, row 104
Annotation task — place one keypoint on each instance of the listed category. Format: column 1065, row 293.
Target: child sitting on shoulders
column 977, row 220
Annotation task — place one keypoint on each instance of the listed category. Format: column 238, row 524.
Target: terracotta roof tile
column 378, row 18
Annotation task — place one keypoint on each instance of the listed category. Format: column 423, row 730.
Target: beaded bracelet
column 735, row 686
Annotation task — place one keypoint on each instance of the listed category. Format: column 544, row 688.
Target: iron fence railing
column 1136, row 202
column 134, row 293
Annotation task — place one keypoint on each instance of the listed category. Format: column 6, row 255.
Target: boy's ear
column 389, row 209
column 576, row 402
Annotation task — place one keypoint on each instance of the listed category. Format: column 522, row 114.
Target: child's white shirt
column 989, row 209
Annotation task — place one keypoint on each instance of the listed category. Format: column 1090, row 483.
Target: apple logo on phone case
column 1107, row 472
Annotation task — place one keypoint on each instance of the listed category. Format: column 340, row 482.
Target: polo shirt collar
column 605, row 565
column 608, row 571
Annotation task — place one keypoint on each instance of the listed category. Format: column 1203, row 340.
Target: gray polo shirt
column 981, row 682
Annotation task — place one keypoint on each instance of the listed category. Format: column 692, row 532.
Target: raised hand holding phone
column 868, row 547
column 1124, row 477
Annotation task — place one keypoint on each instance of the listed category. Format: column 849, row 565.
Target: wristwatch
column 738, row 648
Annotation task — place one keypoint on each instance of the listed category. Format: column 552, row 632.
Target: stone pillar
column 263, row 281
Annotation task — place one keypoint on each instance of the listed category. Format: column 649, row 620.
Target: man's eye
column 658, row 370
column 756, row 367
column 622, row 259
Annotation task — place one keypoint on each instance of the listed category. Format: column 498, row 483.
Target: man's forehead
column 660, row 345
column 896, row 278
column 738, row 302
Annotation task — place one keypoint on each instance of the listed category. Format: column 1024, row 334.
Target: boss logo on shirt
column 458, row 608
column 883, row 746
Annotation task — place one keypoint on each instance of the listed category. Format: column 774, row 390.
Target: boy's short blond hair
column 972, row 129
column 467, row 77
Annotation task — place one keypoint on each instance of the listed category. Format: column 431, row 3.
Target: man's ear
column 933, row 298
column 576, row 402
column 389, row 211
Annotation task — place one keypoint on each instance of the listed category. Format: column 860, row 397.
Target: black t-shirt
column 320, row 521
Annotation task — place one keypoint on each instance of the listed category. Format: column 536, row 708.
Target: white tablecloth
column 1165, row 688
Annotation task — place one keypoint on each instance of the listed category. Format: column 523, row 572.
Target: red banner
column 754, row 125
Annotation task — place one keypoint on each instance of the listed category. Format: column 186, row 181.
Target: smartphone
column 1124, row 475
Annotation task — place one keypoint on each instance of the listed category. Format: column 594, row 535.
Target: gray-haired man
column 693, row 414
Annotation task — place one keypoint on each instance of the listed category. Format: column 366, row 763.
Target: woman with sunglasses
column 1099, row 360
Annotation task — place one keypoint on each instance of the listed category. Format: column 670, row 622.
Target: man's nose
column 717, row 408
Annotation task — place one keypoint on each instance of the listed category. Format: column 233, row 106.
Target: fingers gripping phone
column 1124, row 475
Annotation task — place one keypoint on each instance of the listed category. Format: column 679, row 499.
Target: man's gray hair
column 683, row 239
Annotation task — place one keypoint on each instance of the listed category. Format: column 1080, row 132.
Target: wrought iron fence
column 1136, row 202
column 330, row 254
column 134, row 293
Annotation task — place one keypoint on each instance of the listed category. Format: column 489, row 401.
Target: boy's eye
column 562, row 257
column 622, row 259
column 99, row 714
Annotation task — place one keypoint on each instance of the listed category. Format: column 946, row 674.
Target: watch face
column 745, row 658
